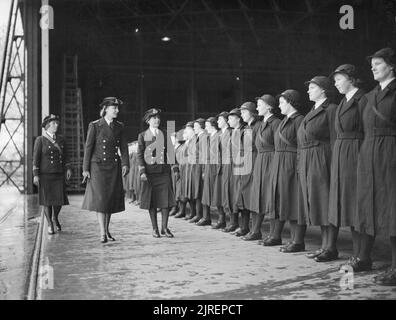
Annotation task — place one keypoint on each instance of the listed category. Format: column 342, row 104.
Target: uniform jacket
column 349, row 129
column 49, row 156
column 316, row 137
column 154, row 156
column 376, row 182
column 103, row 143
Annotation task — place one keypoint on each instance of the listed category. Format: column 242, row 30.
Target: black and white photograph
column 198, row 154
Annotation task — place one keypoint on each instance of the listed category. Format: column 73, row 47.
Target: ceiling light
column 165, row 39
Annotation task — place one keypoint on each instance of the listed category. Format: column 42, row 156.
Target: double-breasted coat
column 261, row 193
column 249, row 154
column 349, row 130
column 157, row 160
column 316, row 136
column 376, row 170
column 50, row 159
column 284, row 180
column 104, row 192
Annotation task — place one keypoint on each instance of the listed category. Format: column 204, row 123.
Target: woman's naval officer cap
column 109, row 101
column 153, row 112
column 48, row 119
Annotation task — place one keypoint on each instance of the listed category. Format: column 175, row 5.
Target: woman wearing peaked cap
column 316, row 137
column 349, row 129
column 200, row 144
column 285, row 183
column 222, row 198
column 177, row 141
column 376, row 183
column 50, row 159
column 181, row 160
column 155, row 159
column 249, row 150
column 234, row 184
column 104, row 193
column 261, row 199
column 212, row 179
column 187, row 158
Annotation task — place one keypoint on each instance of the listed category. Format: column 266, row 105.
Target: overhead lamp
column 165, row 39
column 136, row 30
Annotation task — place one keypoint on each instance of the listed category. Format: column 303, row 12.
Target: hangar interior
column 191, row 58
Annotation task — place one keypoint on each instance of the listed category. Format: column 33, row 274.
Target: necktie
column 112, row 125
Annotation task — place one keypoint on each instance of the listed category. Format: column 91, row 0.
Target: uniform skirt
column 376, row 187
column 52, row 190
column 342, row 202
column 314, row 173
column 261, row 195
column 286, row 189
column 157, row 192
column 226, row 197
column 196, row 181
column 210, row 186
column 104, row 192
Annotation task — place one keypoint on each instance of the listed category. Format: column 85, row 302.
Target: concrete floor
column 199, row 263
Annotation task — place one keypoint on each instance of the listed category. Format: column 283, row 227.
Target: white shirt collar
column 385, row 83
column 224, row 129
column 267, row 117
column 291, row 113
column 319, row 103
column 200, row 133
column 213, row 133
column 154, row 131
column 350, row 94
column 107, row 121
column 50, row 135
column 250, row 122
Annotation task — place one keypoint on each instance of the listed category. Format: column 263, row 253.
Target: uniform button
column 104, row 147
column 104, row 159
column 52, row 161
column 115, row 160
column 104, row 140
column 104, row 152
column 49, row 147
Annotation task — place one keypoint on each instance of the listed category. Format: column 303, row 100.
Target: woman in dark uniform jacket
column 261, row 193
column 181, row 160
column 316, row 136
column 249, row 150
column 155, row 159
column 225, row 172
column 176, row 179
column 284, row 181
column 199, row 148
column 236, row 123
column 376, row 175
column 188, row 160
column 104, row 193
column 175, row 182
column 50, row 159
column 349, row 129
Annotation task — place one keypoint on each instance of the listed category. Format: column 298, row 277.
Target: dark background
column 221, row 54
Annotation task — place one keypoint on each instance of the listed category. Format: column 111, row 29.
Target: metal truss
column 13, row 104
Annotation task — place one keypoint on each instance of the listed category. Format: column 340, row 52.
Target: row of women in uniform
column 334, row 167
